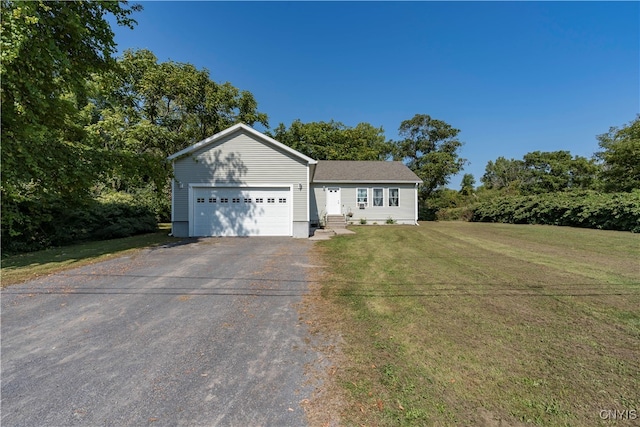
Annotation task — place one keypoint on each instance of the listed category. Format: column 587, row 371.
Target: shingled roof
column 363, row 171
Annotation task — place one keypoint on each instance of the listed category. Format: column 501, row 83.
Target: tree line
column 614, row 168
column 85, row 135
column 555, row 187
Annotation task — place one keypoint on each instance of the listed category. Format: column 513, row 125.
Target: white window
column 212, row 199
column 282, row 200
column 235, row 200
column 394, row 197
column 271, row 200
column 362, row 197
column 200, row 200
column 378, row 197
column 224, row 200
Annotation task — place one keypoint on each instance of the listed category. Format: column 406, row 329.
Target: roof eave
column 230, row 130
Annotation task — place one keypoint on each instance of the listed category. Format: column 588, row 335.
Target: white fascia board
column 361, row 181
column 252, row 131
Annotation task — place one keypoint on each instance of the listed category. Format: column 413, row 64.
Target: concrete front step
column 336, row 221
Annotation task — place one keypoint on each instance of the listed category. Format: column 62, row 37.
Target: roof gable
column 363, row 171
column 241, row 127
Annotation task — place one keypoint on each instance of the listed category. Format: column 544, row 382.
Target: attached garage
column 241, row 211
column 240, row 182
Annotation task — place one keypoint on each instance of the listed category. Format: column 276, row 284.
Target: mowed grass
column 455, row 323
column 19, row 268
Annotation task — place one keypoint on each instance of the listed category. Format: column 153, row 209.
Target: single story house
column 241, row 182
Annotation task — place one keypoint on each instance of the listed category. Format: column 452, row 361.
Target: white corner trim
column 173, row 198
column 307, row 185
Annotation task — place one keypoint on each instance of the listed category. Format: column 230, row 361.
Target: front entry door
column 334, row 206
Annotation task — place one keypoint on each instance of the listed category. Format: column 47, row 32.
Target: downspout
column 416, row 204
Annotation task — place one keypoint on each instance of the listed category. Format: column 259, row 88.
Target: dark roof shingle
column 363, row 171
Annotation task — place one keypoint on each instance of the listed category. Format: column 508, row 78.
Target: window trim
column 366, row 196
column 397, row 198
column 373, row 197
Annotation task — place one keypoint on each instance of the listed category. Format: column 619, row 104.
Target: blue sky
column 514, row 77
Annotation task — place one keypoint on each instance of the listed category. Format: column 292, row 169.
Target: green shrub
column 464, row 213
column 109, row 216
column 122, row 215
column 588, row 209
column 159, row 202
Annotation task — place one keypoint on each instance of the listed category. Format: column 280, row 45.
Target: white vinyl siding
column 240, row 160
column 405, row 213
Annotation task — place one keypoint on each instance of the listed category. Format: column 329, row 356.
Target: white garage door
column 242, row 211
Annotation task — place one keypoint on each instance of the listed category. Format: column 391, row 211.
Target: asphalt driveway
column 201, row 333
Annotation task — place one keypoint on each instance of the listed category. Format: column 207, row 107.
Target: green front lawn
column 457, row 323
column 19, row 268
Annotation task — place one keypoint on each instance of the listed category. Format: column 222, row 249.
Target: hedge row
column 108, row 217
column 610, row 211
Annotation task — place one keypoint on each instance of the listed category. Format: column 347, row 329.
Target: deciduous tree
column 504, row 174
column 540, row 172
column 148, row 109
column 165, row 106
column 467, row 185
column 620, row 157
column 335, row 141
column 430, row 148
column 548, row 172
column 48, row 49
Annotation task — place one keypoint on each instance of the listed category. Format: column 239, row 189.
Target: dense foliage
column 555, row 188
column 146, row 106
column 430, row 149
column 105, row 217
column 48, row 51
column 79, row 125
column 608, row 211
column 334, row 140
column 620, row 157
column 541, row 172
